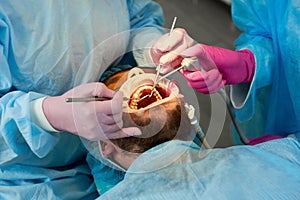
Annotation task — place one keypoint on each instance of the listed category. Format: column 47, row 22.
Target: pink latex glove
column 235, row 66
column 166, row 50
column 205, row 77
column 204, row 82
column 265, row 138
column 222, row 66
column 92, row 120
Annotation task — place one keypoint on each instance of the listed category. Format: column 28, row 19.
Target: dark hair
column 158, row 124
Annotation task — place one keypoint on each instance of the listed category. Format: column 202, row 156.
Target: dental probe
column 159, row 66
column 170, row 73
column 156, row 78
column 173, row 25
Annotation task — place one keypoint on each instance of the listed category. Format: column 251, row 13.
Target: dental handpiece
column 193, row 64
column 199, row 133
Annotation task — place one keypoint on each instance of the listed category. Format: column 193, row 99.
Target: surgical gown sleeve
column 253, row 20
column 19, row 135
column 146, row 21
column 271, row 31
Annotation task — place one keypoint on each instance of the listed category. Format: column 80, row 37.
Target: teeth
column 139, row 93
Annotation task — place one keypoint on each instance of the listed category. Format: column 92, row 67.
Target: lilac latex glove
column 166, row 50
column 92, row 120
column 222, row 66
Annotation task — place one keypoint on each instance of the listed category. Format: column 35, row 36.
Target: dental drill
column 199, row 133
column 192, row 63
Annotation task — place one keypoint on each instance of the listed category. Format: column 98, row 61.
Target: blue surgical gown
column 271, row 103
column 180, row 170
column 47, row 48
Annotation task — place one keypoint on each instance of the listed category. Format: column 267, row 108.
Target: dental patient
column 161, row 116
column 165, row 163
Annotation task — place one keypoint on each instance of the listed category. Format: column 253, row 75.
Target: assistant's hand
column 235, row 66
column 166, row 50
column 92, row 120
column 205, row 76
column 205, row 82
column 222, row 66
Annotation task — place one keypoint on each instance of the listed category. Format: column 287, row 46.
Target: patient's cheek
column 137, row 101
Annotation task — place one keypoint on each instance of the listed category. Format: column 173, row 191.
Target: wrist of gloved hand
column 38, row 117
column 235, row 66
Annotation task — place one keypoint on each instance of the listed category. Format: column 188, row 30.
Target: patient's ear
column 107, row 148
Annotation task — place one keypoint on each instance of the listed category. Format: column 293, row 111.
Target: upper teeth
column 140, row 92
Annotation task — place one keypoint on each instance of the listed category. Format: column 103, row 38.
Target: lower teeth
column 139, row 93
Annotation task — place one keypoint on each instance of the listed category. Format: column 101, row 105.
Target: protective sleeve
column 253, row 19
column 146, row 21
column 19, row 136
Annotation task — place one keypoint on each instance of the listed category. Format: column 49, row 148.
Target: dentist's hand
column 92, row 120
column 166, row 50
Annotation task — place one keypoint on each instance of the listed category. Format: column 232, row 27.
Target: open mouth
column 142, row 97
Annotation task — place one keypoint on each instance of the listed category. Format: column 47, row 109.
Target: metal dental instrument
column 88, row 99
column 170, row 73
column 173, row 25
column 190, row 63
column 159, row 66
column 156, row 79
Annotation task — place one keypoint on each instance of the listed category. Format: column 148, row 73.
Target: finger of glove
column 173, row 48
column 195, row 50
column 215, row 87
column 169, row 41
column 194, row 76
column 212, row 85
column 165, row 69
column 162, row 46
column 102, row 91
column 210, row 82
column 171, row 59
column 91, row 89
column 113, row 106
column 213, row 79
column 179, row 39
column 204, row 58
column 171, row 65
column 112, row 127
column 109, row 119
column 155, row 55
column 124, row 132
column 174, row 52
